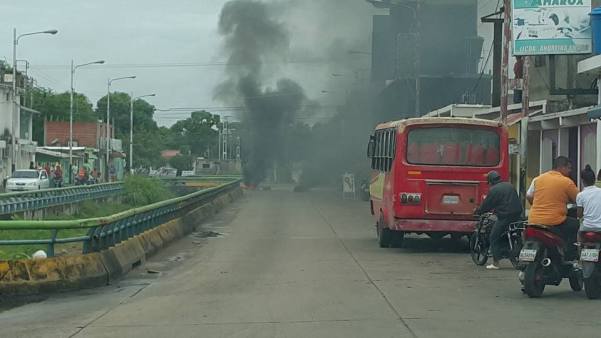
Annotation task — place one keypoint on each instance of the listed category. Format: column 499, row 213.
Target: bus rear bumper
column 433, row 225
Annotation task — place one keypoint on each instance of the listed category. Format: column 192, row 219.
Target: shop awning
column 29, row 110
column 594, row 113
column 53, row 153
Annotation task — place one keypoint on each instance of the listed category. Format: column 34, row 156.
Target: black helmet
column 493, row 177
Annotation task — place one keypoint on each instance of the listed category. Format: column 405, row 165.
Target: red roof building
column 169, row 154
column 85, row 134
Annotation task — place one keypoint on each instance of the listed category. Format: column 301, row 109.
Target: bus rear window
column 453, row 146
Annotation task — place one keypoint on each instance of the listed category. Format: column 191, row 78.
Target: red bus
column 429, row 175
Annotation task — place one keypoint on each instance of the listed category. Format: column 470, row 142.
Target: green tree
column 147, row 149
column 197, row 132
column 120, row 114
column 148, row 139
column 56, row 107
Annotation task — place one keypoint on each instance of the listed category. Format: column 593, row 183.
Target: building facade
column 420, row 48
column 17, row 118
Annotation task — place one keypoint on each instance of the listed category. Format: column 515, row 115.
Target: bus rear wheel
column 389, row 238
column 384, row 236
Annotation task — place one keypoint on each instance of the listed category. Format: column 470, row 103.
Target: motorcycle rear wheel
column 478, row 251
column 515, row 253
column 576, row 281
column 534, row 281
column 592, row 286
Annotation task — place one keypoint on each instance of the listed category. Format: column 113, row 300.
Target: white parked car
column 27, row 180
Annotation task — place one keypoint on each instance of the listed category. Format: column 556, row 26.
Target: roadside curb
column 31, row 277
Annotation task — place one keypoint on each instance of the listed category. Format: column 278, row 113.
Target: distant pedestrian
column 113, row 173
column 31, row 165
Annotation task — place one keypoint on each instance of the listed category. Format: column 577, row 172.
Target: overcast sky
column 171, row 46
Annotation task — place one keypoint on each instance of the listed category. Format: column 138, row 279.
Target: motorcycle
column 590, row 245
column 542, row 262
column 81, row 180
column 480, row 240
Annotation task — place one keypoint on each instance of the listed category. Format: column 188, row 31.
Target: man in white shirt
column 589, row 202
column 530, row 192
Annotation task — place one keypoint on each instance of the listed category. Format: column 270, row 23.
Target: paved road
column 306, row 265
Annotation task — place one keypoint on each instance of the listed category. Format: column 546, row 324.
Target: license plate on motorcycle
column 527, row 255
column 589, row 255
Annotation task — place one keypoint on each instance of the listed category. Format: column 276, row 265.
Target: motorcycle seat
column 590, row 237
column 543, row 234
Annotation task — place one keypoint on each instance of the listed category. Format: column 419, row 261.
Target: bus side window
column 383, row 151
column 391, row 135
column 378, row 150
column 386, row 147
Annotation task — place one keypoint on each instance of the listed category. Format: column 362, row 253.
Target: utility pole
column 131, row 128
column 524, row 129
column 16, row 104
column 108, row 123
column 505, row 62
column 72, row 92
column 418, row 80
column 219, row 141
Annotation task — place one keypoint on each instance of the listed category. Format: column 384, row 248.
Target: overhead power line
column 188, row 64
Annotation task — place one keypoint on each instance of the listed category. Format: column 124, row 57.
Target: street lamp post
column 108, row 119
column 73, row 69
column 131, row 129
column 16, row 103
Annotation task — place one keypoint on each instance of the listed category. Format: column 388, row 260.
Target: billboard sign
column 543, row 27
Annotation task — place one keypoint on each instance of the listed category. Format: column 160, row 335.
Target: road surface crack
column 81, row 328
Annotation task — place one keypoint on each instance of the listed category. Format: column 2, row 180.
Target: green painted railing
column 104, row 232
column 16, row 202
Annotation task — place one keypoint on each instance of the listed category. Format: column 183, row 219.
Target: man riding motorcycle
column 553, row 191
column 504, row 200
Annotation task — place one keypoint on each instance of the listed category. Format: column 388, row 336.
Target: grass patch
column 138, row 191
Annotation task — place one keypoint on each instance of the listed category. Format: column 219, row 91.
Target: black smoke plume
column 255, row 42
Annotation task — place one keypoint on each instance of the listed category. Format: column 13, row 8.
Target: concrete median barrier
column 31, row 277
column 27, row 277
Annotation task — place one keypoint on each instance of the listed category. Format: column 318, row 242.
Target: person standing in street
column 113, row 173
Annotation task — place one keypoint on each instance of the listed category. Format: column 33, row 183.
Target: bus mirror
column 371, row 147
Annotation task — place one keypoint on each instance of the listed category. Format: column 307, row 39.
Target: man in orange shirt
column 553, row 191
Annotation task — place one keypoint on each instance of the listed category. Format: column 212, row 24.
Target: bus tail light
column 410, row 198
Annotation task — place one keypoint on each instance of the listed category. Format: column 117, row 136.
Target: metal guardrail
column 208, row 178
column 39, row 199
column 105, row 232
column 32, row 200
